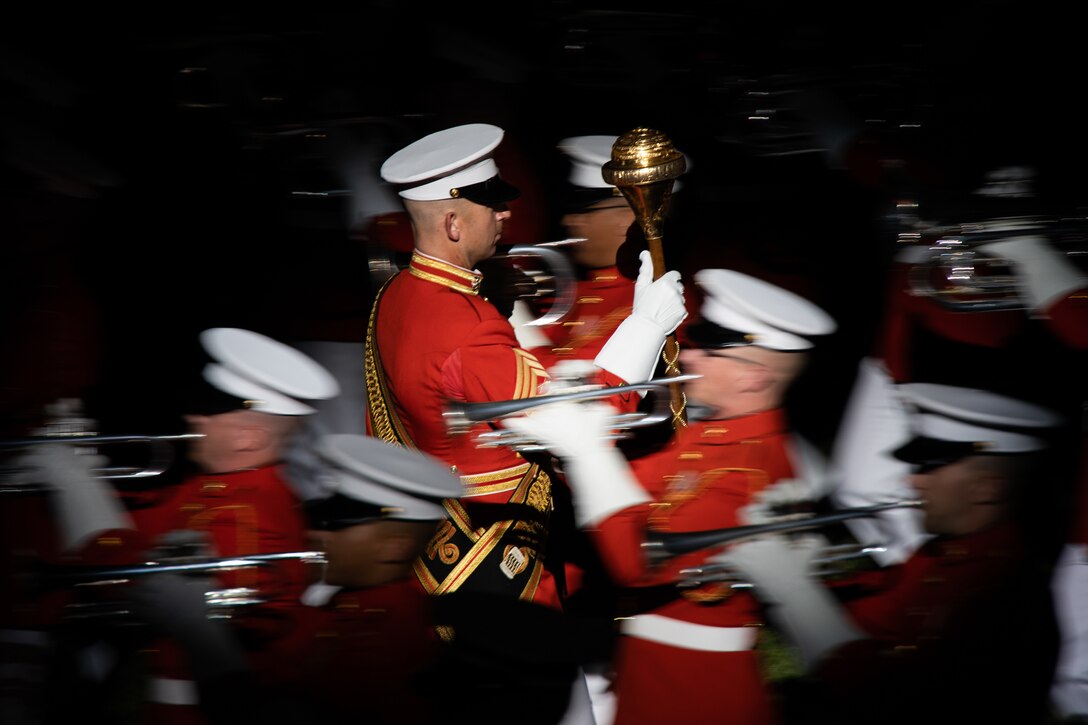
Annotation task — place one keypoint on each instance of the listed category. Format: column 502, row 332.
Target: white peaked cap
column 993, row 423
column 438, row 165
column 367, row 469
column 768, row 315
column 270, row 376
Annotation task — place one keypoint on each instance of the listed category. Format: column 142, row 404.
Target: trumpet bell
column 539, row 274
column 157, row 454
column 955, row 273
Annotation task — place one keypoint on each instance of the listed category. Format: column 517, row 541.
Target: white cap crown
column 439, row 164
column 769, row 315
column 409, row 483
column 270, row 376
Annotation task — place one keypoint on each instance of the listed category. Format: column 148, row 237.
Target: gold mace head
column 643, row 156
column 644, row 165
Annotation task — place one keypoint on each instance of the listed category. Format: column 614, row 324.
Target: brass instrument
column 95, row 575
column 829, row 563
column 532, row 272
column 958, row 276
column 160, row 450
column 219, row 601
column 661, row 546
column 461, row 417
column 556, row 281
column 644, row 166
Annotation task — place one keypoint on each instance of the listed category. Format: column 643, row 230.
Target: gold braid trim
column 384, row 422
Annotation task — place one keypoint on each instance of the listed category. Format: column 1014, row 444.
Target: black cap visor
column 707, row 335
column 202, row 398
column 338, row 512
column 492, row 191
column 580, row 199
column 930, row 453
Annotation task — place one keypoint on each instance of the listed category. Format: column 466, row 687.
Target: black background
column 196, row 224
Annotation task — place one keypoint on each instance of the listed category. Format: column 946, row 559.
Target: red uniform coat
column 709, row 471
column 365, row 653
column 602, row 301
column 966, row 622
column 439, row 341
column 244, row 512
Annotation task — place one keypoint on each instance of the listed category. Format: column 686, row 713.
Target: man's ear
column 397, row 547
column 756, row 378
column 251, row 438
column 989, row 487
column 452, row 225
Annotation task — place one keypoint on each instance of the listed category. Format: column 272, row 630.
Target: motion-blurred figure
column 598, row 220
column 365, row 642
column 964, row 629
column 686, row 653
column 254, row 394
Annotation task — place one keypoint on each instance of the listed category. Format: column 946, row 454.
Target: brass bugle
column 160, row 459
column 218, row 601
column 99, row 575
column 93, row 439
column 460, row 417
column 828, row 563
column 660, row 546
column 559, row 278
column 959, row 276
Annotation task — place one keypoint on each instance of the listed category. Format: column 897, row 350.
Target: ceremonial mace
column 644, row 166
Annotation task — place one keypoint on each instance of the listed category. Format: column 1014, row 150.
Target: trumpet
column 95, row 575
column 160, row 450
column 661, row 546
column 828, row 564
column 960, row 277
column 461, row 417
column 218, row 601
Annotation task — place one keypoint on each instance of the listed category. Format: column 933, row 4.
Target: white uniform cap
column 406, row 483
column 448, row 164
column 977, row 421
column 267, row 375
column 739, row 309
column 588, row 155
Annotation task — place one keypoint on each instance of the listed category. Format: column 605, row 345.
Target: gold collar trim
column 445, row 274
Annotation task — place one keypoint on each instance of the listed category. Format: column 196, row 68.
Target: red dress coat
column 709, row 471
column 602, row 301
column 365, row 653
column 966, row 622
column 436, row 340
column 244, row 512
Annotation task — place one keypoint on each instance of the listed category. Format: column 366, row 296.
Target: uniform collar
column 445, row 274
column 731, row 430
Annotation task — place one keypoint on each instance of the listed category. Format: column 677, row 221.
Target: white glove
column 175, row 605
column 781, row 494
column 658, row 309
column 82, row 503
column 803, row 609
column 1045, row 275
column 597, row 473
column 529, row 336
